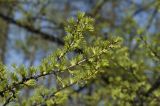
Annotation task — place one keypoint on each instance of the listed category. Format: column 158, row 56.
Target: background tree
column 51, row 54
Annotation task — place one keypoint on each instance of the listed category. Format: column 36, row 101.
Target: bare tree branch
column 44, row 35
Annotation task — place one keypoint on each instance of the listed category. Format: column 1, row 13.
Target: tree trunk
column 3, row 31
